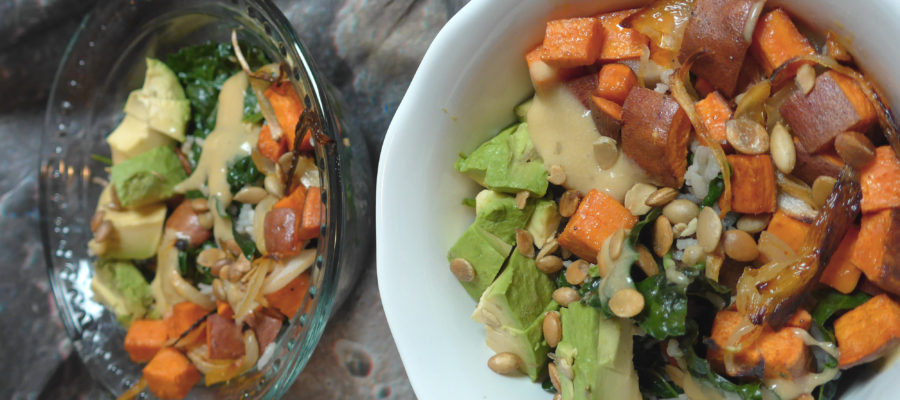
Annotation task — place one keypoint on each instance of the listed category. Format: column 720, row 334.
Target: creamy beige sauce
column 231, row 138
column 564, row 133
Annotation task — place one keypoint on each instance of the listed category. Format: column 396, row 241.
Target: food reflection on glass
column 700, row 199
column 208, row 224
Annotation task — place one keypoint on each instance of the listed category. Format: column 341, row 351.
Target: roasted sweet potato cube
column 655, row 133
column 811, row 166
column 841, row 274
column 876, row 252
column 714, row 112
column 615, row 81
column 620, row 43
column 716, row 29
column 776, row 40
column 879, row 181
column 866, row 332
column 607, row 117
column 572, row 42
column 598, row 216
column 752, row 183
column 223, row 338
column 544, row 75
column 778, row 354
column 144, row 338
column 170, row 375
column 789, row 230
column 184, row 315
column 835, row 104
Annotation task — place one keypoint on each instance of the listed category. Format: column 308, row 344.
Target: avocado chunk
column 166, row 116
column 594, row 358
column 497, row 213
column 121, row 287
column 512, row 310
column 147, row 178
column 544, row 221
column 485, row 252
column 488, row 241
column 161, row 82
column 507, row 163
column 136, row 231
column 133, row 137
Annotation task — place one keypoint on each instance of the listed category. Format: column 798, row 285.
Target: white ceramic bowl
column 463, row 93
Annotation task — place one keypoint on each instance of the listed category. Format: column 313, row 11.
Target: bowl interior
column 103, row 63
column 463, row 93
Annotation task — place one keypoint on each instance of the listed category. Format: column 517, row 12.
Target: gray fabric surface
column 368, row 49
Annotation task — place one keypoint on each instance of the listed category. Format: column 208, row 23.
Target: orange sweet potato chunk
column 752, row 183
column 789, row 230
column 714, row 112
column 776, row 40
column 841, row 274
column 615, row 81
column 170, row 375
column 144, row 338
column 572, row 42
column 881, row 181
column 620, row 43
column 184, row 316
column 876, row 252
column 288, row 299
column 655, row 134
column 598, row 216
column 780, row 354
column 865, row 332
column 542, row 74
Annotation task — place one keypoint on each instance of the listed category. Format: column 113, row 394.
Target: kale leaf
column 187, row 262
column 252, row 112
column 201, row 70
column 665, row 307
column 830, row 302
column 651, row 216
column 242, row 172
column 716, row 187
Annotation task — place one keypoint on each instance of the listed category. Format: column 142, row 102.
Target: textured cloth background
column 368, row 48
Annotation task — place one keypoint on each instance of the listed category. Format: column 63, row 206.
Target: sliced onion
column 795, row 188
column 750, row 25
column 284, row 274
column 680, row 92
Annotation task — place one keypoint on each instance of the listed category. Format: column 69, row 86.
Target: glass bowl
column 103, row 62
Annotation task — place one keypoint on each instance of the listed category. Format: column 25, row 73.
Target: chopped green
column 252, row 112
column 245, row 242
column 202, row 69
column 194, row 194
column 649, row 218
column 716, row 186
column 830, row 302
column 105, row 160
column 469, row 202
column 507, row 163
column 187, row 262
column 242, row 172
column 665, row 307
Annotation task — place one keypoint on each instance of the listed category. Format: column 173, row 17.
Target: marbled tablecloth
column 368, row 48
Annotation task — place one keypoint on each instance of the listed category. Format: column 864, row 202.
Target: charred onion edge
column 773, row 304
column 677, row 82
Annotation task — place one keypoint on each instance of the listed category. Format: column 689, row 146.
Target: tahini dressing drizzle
column 231, row 138
column 564, row 133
